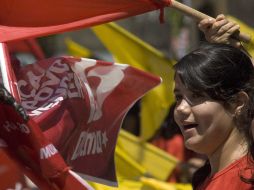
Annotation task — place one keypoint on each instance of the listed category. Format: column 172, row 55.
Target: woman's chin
column 194, row 145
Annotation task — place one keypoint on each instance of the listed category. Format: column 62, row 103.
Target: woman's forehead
column 179, row 86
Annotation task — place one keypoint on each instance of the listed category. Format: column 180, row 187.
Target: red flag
column 29, row 18
column 26, row 143
column 80, row 105
column 10, row 171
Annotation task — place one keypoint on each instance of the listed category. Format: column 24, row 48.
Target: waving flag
column 127, row 48
column 126, row 166
column 80, row 104
column 145, row 153
column 38, row 157
column 29, row 18
column 71, row 103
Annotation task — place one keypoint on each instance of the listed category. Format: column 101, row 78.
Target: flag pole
column 200, row 16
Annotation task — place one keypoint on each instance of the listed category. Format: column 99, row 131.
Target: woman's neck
column 233, row 149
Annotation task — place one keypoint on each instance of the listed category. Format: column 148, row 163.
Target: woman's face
column 204, row 123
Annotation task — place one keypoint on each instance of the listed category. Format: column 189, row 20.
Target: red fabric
column 229, row 178
column 174, row 146
column 29, row 18
column 80, row 105
column 73, row 114
column 10, row 171
column 31, row 149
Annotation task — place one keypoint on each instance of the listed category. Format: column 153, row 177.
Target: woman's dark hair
column 220, row 71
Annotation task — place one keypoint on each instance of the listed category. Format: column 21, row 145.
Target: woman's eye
column 197, row 98
column 178, row 97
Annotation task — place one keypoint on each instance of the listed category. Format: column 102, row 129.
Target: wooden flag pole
column 199, row 16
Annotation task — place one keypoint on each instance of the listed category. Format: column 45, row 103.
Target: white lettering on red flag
column 47, row 151
column 90, row 143
column 38, row 89
column 11, row 126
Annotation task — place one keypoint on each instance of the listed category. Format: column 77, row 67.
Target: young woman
column 214, row 90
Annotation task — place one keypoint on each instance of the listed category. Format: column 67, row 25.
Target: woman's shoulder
column 231, row 177
column 235, row 168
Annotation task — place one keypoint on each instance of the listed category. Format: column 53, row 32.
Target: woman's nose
column 183, row 108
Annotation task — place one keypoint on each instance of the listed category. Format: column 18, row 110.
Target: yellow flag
column 154, row 184
column 77, row 50
column 129, row 49
column 245, row 29
column 143, row 184
column 126, row 166
column 124, row 184
column 157, row 163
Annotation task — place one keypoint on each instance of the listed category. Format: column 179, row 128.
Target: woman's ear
column 241, row 102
